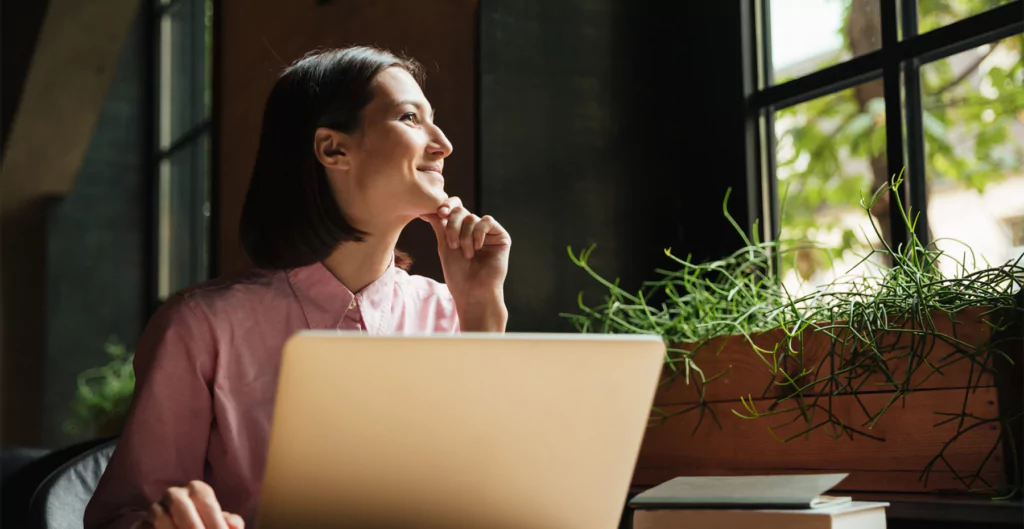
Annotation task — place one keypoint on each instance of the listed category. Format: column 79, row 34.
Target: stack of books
column 763, row 502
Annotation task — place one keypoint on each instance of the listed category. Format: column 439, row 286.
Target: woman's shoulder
column 253, row 286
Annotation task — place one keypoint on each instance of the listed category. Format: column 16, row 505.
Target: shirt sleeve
column 456, row 326
column 164, row 442
column 448, row 317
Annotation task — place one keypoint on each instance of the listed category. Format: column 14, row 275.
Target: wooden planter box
column 673, row 447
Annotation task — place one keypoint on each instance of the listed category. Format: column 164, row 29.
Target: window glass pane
column 973, row 117
column 932, row 14
column 808, row 35
column 184, row 217
column 208, row 58
column 183, row 74
column 830, row 153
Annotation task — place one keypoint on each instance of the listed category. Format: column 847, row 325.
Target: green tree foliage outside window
column 817, row 139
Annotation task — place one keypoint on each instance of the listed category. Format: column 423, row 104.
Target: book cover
column 798, row 491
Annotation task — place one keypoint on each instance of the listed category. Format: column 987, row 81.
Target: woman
column 349, row 155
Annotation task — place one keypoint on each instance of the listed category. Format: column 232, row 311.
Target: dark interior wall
column 260, row 37
column 19, row 28
column 612, row 122
column 709, row 75
column 74, row 255
column 97, row 243
column 20, row 23
column 555, row 162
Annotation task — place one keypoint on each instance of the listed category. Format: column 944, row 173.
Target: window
column 818, row 42
column 183, row 35
column 973, row 107
column 848, row 93
column 938, row 13
column 828, row 151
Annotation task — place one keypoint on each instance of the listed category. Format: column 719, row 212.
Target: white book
column 847, row 515
column 786, row 491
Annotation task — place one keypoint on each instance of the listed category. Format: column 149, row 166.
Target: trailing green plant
column 904, row 297
column 104, row 394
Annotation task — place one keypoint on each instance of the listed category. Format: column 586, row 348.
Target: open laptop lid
column 477, row 430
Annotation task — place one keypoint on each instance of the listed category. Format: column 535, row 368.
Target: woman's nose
column 439, row 144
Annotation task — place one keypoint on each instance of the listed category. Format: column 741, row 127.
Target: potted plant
column 899, row 376
column 104, row 395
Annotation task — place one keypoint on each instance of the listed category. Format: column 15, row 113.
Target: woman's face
column 391, row 168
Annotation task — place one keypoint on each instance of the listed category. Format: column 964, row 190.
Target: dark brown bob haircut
column 290, row 217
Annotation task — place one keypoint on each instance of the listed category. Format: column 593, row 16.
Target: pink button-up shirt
column 206, row 375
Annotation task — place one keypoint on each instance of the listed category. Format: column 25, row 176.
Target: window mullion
column 766, row 44
column 770, row 168
column 983, row 28
column 914, row 117
column 980, row 29
column 893, row 123
column 821, row 83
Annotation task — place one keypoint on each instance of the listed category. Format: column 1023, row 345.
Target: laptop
column 538, row 431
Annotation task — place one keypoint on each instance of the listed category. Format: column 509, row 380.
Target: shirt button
column 352, row 305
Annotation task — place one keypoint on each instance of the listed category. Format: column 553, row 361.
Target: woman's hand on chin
column 474, row 255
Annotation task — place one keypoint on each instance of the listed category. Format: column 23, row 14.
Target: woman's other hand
column 194, row 506
column 474, row 254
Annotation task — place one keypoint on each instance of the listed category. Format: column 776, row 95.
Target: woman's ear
column 332, row 148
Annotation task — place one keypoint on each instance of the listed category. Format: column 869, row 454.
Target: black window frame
column 900, row 57
column 204, row 129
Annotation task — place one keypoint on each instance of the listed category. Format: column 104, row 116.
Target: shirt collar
column 325, row 300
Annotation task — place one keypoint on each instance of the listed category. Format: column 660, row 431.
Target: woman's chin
column 436, row 197
column 432, row 189
column 428, row 203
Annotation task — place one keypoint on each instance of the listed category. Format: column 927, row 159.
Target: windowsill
column 947, row 508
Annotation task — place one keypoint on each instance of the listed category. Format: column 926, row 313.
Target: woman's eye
column 410, row 116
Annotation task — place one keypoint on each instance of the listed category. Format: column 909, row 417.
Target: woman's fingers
column 466, row 235
column 453, row 229
column 234, row 521
column 457, row 228
column 206, row 504
column 449, row 205
column 159, row 518
column 485, row 227
column 178, row 504
column 193, row 506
